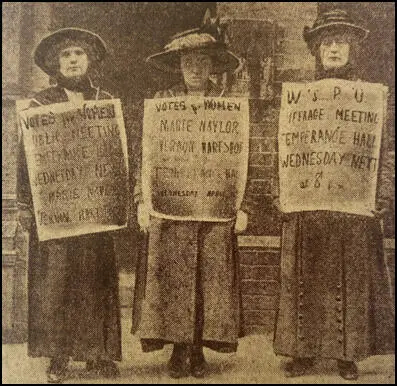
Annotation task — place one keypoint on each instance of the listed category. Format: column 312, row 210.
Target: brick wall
column 260, row 287
column 263, row 168
column 291, row 17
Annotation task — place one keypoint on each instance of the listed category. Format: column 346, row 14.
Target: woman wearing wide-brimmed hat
column 187, row 289
column 73, row 282
column 335, row 291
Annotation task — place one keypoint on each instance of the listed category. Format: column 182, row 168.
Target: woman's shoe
column 104, row 368
column 348, row 370
column 57, row 371
column 298, row 367
column 198, row 367
column 90, row 365
column 178, row 364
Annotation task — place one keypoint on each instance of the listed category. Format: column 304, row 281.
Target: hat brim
column 169, row 61
column 310, row 34
column 43, row 49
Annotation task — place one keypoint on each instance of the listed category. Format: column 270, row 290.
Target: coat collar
column 347, row 72
column 57, row 94
column 212, row 90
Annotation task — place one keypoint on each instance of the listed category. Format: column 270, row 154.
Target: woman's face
column 335, row 50
column 73, row 62
column 196, row 69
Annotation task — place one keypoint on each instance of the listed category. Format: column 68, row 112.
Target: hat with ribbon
column 207, row 39
column 47, row 51
column 336, row 20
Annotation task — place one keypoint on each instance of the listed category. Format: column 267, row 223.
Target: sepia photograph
column 198, row 192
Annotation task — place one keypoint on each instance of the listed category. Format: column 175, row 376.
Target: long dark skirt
column 336, row 299
column 73, row 298
column 188, row 286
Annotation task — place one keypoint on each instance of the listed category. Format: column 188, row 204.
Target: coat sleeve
column 385, row 191
column 24, row 192
column 275, row 186
column 249, row 202
column 104, row 95
column 137, row 194
column 386, row 184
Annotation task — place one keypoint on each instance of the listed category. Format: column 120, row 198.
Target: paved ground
column 253, row 363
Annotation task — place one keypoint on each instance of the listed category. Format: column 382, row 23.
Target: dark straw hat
column 337, row 20
column 204, row 39
column 45, row 49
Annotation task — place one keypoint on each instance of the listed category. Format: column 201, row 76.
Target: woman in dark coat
column 187, row 290
column 72, row 282
column 335, row 290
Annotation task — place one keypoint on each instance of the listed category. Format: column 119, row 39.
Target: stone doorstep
column 18, row 334
column 9, row 258
column 126, row 289
column 8, row 229
column 259, row 241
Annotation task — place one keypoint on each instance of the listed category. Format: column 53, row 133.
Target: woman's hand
column 276, row 203
column 143, row 217
column 241, row 222
column 382, row 208
column 25, row 216
column 379, row 213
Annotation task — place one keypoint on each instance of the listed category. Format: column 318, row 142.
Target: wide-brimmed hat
column 338, row 20
column 205, row 40
column 45, row 49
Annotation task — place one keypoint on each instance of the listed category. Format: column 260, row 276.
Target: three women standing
column 335, row 300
